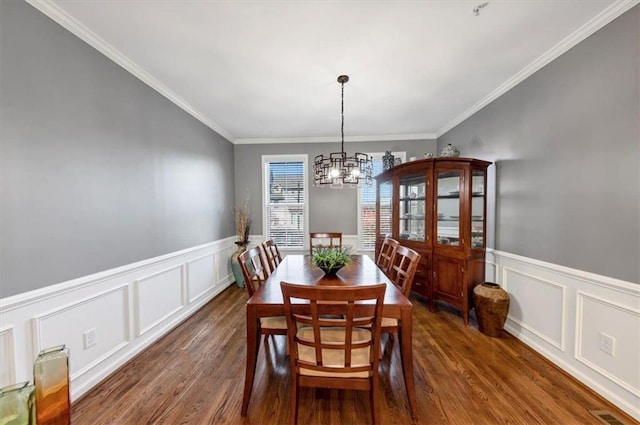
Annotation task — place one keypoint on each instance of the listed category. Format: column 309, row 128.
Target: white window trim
column 403, row 157
column 284, row 158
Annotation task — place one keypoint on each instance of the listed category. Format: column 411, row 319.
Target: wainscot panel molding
column 7, row 354
column 107, row 318
column 108, row 311
column 565, row 315
column 158, row 297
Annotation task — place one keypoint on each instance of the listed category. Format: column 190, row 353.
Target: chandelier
column 339, row 170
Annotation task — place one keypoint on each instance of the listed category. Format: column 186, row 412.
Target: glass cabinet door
column 385, row 198
column 412, row 197
column 448, row 207
column 477, row 209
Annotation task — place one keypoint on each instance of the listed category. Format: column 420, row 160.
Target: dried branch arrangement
column 243, row 223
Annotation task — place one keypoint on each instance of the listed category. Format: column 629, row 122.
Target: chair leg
column 295, row 390
column 373, row 392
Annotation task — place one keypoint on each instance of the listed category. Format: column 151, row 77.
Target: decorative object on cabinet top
column 387, row 161
column 450, row 151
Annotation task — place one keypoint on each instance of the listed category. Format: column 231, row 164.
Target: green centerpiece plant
column 330, row 260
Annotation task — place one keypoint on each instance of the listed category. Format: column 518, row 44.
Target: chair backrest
column 324, row 240
column 253, row 269
column 385, row 256
column 351, row 337
column 403, row 268
column 272, row 254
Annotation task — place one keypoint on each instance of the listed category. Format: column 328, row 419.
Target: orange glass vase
column 51, row 378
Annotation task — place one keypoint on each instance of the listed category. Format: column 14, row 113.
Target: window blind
column 367, row 213
column 285, row 203
column 368, row 210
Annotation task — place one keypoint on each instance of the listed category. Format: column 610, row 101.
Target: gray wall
column 97, row 169
column 566, row 146
column 329, row 209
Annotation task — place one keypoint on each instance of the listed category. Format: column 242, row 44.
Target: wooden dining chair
column 254, row 270
column 402, row 270
column 403, row 266
column 318, row 240
column 385, row 256
column 272, row 254
column 254, row 274
column 338, row 352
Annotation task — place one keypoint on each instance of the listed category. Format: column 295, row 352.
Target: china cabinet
column 437, row 206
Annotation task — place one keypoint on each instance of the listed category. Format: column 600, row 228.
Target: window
column 367, row 205
column 285, row 214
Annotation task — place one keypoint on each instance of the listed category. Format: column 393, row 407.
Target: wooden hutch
column 438, row 207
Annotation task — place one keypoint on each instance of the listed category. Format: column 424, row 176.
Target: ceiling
column 265, row 71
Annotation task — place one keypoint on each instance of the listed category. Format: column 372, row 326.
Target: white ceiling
column 267, row 70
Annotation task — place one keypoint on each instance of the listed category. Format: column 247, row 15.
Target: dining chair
column 254, row 270
column 272, row 254
column 403, row 266
column 318, row 240
column 254, row 274
column 385, row 256
column 402, row 270
column 334, row 352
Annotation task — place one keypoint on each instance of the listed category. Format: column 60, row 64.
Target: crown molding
column 334, row 139
column 603, row 18
column 53, row 11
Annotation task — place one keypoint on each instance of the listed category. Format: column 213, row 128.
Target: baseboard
column 129, row 308
column 563, row 313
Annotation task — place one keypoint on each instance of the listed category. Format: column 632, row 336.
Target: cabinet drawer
column 422, row 278
column 421, row 287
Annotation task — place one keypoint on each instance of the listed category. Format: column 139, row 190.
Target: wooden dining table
column 267, row 301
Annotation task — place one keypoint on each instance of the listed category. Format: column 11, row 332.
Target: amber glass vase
column 51, row 378
column 17, row 405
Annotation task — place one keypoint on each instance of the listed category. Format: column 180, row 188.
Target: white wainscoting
column 562, row 312
column 128, row 308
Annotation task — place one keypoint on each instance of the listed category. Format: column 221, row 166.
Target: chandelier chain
column 342, row 114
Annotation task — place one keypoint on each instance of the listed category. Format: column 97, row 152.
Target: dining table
column 267, row 301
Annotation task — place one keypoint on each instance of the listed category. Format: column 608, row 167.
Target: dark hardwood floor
column 195, row 375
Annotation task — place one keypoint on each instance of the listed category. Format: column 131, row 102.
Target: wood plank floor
column 195, row 375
